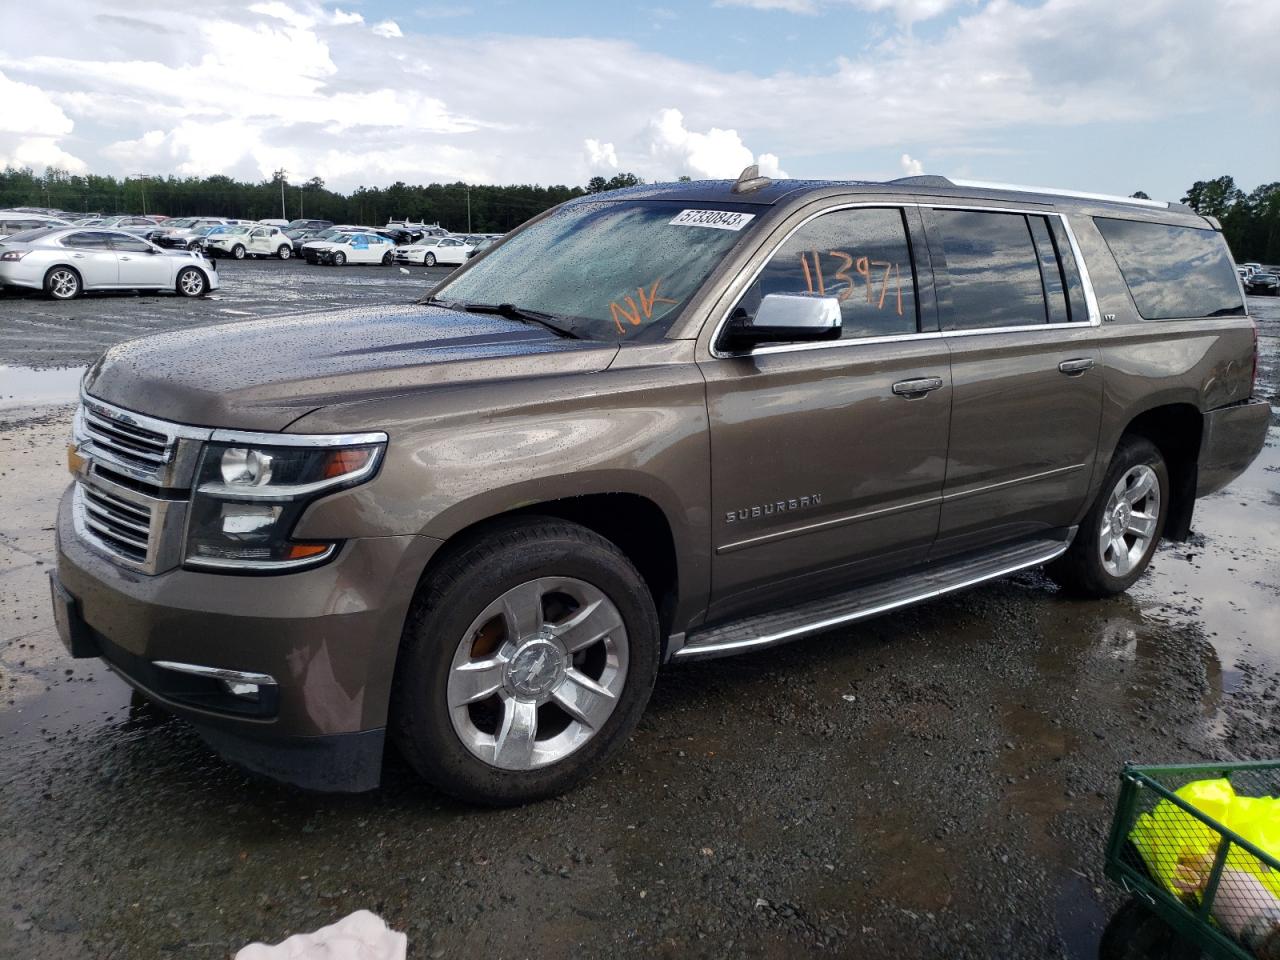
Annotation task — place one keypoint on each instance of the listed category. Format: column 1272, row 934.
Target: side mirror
column 787, row 318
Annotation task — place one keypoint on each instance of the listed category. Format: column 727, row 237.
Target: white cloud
column 906, row 11
column 389, row 29
column 340, row 17
column 39, row 153
column 675, row 150
column 600, row 156
column 911, row 167
column 333, row 101
column 790, row 6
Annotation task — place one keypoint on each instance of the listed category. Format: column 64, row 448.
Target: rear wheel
column 1123, row 527
column 285, row 252
column 527, row 659
column 191, row 282
column 62, row 283
column 387, row 258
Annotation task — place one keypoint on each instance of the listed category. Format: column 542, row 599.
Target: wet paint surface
column 937, row 782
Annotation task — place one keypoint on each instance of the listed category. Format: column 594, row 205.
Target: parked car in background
column 276, row 222
column 449, row 251
column 138, row 226
column 306, row 249
column 179, row 234
column 66, row 262
column 250, row 241
column 18, row 221
column 308, row 224
column 364, row 247
column 1262, row 283
column 482, row 246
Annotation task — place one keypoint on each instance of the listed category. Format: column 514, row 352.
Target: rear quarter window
column 1174, row 272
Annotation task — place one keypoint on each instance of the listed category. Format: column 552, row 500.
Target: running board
column 922, row 583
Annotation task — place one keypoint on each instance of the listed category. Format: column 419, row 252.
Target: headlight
column 249, row 497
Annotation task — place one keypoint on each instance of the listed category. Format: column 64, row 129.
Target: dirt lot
column 934, row 783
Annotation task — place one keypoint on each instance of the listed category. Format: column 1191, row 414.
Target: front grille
column 123, row 526
column 134, row 443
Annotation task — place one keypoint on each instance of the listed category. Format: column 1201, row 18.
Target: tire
column 63, row 283
column 1136, row 933
column 285, row 252
column 429, row 260
column 388, row 258
column 339, row 259
column 191, row 282
column 1098, row 566
column 475, row 752
column 238, row 251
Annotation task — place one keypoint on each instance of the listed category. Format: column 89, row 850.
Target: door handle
column 1073, row 368
column 126, row 258
column 914, row 389
column 78, row 256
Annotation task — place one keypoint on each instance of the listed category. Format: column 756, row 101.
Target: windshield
column 188, row 222
column 617, row 271
column 237, row 230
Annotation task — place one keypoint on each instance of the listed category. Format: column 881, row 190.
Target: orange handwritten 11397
column 636, row 313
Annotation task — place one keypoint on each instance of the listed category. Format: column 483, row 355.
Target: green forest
column 1251, row 221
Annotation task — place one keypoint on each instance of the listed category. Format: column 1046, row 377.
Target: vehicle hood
column 264, row 374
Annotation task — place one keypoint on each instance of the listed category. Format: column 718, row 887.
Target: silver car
column 66, row 262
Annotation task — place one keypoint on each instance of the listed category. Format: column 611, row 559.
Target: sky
column 1096, row 95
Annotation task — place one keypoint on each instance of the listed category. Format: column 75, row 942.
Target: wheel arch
column 44, row 281
column 634, row 523
column 1175, row 428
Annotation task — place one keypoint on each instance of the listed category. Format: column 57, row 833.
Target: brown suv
column 658, row 424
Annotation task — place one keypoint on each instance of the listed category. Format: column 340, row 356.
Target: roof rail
column 1055, row 192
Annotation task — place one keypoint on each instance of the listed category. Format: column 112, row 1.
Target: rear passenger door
column 91, row 254
column 1026, row 384
column 826, row 466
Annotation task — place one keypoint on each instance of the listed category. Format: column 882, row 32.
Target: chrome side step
column 922, row 583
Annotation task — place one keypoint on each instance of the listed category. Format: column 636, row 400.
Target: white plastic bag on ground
column 361, row 936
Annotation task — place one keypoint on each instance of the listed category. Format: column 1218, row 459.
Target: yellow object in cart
column 1179, row 850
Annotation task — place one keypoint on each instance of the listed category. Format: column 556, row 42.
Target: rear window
column 1174, row 272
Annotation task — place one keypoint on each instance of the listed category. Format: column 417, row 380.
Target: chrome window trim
column 1091, row 303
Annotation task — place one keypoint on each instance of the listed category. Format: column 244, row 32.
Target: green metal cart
column 1159, row 923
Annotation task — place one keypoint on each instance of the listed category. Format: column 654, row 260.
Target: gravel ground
column 934, row 783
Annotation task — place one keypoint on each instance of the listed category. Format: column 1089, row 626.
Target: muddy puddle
column 27, row 386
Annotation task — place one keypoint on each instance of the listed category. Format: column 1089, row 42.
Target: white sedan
column 245, row 241
column 353, row 248
column 67, row 262
column 433, row 250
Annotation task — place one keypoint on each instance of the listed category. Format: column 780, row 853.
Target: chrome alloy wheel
column 192, row 283
column 1129, row 520
column 538, row 673
column 64, row 284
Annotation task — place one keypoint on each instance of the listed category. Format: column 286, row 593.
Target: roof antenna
column 749, row 180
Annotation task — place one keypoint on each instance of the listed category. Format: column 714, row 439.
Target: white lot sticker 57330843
column 716, row 219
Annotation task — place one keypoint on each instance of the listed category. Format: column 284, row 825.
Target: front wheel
column 527, row 659
column 429, row 260
column 191, row 282
column 1121, row 530
column 285, row 252
column 339, row 259
column 238, row 251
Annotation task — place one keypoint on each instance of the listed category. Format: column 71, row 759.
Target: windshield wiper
column 523, row 314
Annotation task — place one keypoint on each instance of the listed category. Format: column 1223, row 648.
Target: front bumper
column 327, row 637
column 1231, row 439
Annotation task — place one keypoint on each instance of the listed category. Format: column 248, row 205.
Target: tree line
column 1250, row 221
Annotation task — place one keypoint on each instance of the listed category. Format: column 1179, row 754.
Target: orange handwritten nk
column 635, row 313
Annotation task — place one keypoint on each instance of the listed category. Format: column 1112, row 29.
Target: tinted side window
column 126, row 244
column 861, row 257
column 993, row 270
column 1174, row 271
column 88, row 240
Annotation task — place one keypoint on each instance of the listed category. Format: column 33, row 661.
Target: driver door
column 141, row 264
column 825, row 470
